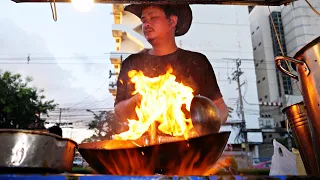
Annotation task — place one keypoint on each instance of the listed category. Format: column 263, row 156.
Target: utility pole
column 236, row 77
column 60, row 116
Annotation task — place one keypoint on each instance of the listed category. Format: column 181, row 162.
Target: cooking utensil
column 186, row 157
column 299, row 124
column 35, row 151
column 204, row 115
column 307, row 64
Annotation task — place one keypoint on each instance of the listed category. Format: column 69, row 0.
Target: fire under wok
column 195, row 156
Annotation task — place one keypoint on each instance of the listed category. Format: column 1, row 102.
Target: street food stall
column 154, row 156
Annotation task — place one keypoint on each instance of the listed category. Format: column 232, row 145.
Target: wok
column 30, row 151
column 194, row 156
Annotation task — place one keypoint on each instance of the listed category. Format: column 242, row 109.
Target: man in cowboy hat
column 160, row 25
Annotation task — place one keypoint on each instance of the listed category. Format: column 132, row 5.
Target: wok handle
column 278, row 60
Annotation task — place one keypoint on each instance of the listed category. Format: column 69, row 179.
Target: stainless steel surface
column 195, row 156
column 205, row 116
column 35, row 149
column 308, row 56
column 298, row 120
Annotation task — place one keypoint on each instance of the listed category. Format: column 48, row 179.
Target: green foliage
column 19, row 103
column 104, row 126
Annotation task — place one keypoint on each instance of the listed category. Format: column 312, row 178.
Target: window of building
column 259, row 44
column 254, row 48
column 260, row 99
column 268, row 122
column 263, row 78
column 257, row 64
column 252, row 33
column 258, row 27
column 266, row 96
column 261, row 60
column 258, row 82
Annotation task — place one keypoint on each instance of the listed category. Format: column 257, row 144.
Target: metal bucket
column 26, row 151
column 298, row 120
column 306, row 62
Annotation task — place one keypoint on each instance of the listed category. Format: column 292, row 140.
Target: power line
column 218, row 67
column 76, row 104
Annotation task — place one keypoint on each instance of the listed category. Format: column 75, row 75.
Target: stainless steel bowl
column 204, row 115
column 28, row 150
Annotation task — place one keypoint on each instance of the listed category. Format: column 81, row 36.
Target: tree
column 104, row 126
column 21, row 105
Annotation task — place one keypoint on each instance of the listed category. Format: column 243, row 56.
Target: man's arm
column 223, row 109
column 124, row 106
column 211, row 89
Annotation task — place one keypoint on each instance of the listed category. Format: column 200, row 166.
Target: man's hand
column 126, row 109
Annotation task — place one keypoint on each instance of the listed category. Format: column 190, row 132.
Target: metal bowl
column 29, row 151
column 205, row 115
column 194, row 156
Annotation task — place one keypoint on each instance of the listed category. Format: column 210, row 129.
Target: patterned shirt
column 193, row 69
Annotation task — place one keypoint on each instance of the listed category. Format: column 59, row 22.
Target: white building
column 296, row 25
column 301, row 25
column 266, row 48
column 220, row 32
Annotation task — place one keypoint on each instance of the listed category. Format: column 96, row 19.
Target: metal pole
column 236, row 77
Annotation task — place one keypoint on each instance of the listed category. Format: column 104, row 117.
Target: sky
column 74, row 52
column 69, row 58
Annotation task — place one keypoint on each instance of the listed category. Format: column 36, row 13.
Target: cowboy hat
column 182, row 11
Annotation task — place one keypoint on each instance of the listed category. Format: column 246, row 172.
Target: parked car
column 78, row 161
column 263, row 165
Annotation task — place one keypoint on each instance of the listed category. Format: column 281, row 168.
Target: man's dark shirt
column 190, row 68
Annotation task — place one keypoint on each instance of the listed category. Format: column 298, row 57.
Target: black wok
column 185, row 157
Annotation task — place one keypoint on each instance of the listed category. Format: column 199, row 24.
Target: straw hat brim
column 183, row 12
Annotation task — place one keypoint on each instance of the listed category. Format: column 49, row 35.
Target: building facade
column 296, row 25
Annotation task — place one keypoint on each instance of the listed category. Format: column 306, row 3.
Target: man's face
column 155, row 23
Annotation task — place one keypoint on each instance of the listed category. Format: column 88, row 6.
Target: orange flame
column 162, row 101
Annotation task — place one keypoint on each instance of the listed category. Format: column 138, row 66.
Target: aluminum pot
column 306, row 62
column 29, row 151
